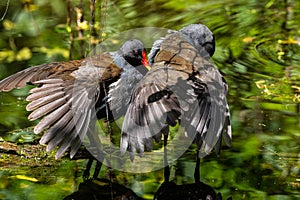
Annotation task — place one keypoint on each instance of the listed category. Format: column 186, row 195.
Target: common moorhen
column 182, row 87
column 69, row 96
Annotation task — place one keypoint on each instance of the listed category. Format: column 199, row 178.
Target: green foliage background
column 258, row 51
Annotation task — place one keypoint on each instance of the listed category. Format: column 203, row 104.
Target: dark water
column 258, row 51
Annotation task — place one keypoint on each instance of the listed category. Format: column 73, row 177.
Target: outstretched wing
column 181, row 86
column 152, row 108
column 32, row 74
column 65, row 98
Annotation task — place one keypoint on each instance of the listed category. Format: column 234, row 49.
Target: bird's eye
column 135, row 52
column 209, row 47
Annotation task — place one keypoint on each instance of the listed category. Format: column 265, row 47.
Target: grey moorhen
column 67, row 93
column 182, row 87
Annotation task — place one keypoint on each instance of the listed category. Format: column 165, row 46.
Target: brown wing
column 32, row 74
column 181, row 86
column 65, row 98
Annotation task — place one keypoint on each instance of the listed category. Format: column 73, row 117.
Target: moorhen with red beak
column 182, row 87
column 67, row 93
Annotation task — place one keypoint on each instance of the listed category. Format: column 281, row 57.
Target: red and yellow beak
column 145, row 60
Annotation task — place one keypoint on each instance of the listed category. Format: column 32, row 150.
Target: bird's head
column 201, row 37
column 134, row 53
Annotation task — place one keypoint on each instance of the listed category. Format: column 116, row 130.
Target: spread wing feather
column 64, row 99
column 182, row 86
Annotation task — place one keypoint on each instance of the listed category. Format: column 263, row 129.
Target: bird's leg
column 197, row 169
column 109, row 128
column 95, row 154
column 97, row 169
column 86, row 173
column 167, row 168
